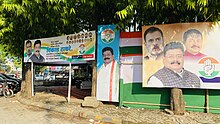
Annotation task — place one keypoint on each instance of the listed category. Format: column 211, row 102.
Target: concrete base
column 90, row 102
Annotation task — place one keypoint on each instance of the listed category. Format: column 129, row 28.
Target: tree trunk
column 26, row 86
column 94, row 78
column 177, row 104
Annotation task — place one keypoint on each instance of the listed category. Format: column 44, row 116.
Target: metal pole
column 69, row 88
column 32, row 78
column 196, row 18
column 207, row 101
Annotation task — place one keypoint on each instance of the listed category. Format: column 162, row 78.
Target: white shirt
column 27, row 58
column 107, row 91
column 154, row 82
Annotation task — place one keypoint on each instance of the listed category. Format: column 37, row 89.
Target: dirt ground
column 13, row 112
column 130, row 115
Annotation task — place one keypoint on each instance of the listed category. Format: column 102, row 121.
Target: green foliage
column 7, row 69
column 32, row 19
column 2, row 55
column 124, row 13
column 81, row 73
column 39, row 68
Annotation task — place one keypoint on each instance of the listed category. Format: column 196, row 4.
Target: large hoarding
column 68, row 48
column 183, row 55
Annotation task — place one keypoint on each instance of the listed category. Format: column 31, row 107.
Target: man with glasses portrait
column 173, row 74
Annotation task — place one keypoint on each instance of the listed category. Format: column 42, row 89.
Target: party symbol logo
column 82, row 48
column 209, row 70
column 108, row 35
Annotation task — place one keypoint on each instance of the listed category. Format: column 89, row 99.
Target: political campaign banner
column 108, row 63
column 68, row 48
column 181, row 55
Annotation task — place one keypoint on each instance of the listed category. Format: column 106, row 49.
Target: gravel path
column 146, row 116
column 130, row 115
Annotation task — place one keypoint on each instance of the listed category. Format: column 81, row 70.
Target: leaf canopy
column 31, row 19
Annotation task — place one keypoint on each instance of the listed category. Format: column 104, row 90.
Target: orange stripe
column 213, row 60
column 111, row 78
column 126, row 55
column 130, row 35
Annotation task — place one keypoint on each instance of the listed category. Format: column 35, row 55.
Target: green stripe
column 215, row 73
column 64, row 58
column 214, row 100
column 44, row 47
column 194, row 97
column 131, row 50
column 120, row 92
column 134, row 92
column 90, row 50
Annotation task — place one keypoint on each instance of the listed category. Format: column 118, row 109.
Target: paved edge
column 94, row 116
column 70, row 111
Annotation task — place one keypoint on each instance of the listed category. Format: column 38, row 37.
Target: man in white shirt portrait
column 28, row 46
column 108, row 77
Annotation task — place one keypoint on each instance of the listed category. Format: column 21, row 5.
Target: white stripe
column 130, row 42
column 195, row 67
column 131, row 73
column 131, row 59
column 210, row 86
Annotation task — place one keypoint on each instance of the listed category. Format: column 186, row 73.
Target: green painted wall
column 131, row 50
column 214, row 100
column 134, row 92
